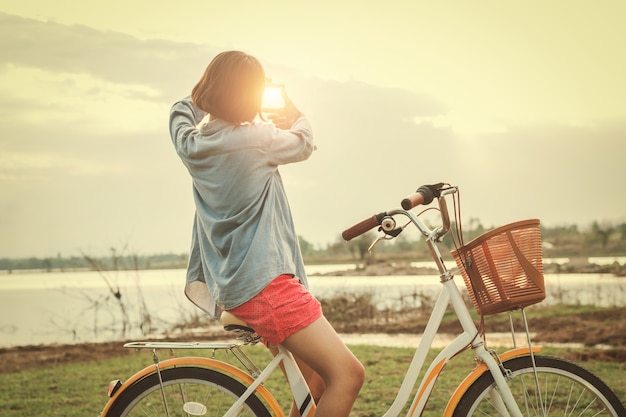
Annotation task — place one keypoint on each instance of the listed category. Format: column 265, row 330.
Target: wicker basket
column 503, row 268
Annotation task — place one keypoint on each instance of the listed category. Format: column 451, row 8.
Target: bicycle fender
column 215, row 364
column 477, row 372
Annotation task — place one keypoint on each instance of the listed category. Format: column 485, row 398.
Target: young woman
column 245, row 256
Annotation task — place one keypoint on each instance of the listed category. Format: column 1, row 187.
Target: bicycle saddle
column 232, row 322
column 241, row 329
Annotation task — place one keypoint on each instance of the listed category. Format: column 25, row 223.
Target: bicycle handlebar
column 363, row 226
column 424, row 195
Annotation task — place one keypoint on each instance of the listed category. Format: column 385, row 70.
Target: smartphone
column 273, row 98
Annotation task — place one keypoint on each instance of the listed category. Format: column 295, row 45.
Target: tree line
column 597, row 239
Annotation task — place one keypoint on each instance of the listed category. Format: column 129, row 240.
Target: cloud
column 87, row 161
column 110, row 56
column 36, row 96
column 92, row 79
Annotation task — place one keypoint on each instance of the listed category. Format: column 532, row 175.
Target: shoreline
column 577, row 266
column 563, row 265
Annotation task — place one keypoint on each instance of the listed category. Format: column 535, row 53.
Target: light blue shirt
column 243, row 234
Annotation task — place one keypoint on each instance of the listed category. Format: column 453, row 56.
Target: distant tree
column 404, row 244
column 560, row 235
column 306, row 247
column 362, row 243
column 476, row 229
column 48, row 263
column 337, row 248
column 603, row 232
column 622, row 232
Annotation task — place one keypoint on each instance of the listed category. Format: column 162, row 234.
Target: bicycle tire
column 565, row 389
column 190, row 391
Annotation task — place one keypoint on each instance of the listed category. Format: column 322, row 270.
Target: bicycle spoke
column 188, row 391
column 557, row 389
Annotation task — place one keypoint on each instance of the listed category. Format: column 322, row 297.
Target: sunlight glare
column 273, row 97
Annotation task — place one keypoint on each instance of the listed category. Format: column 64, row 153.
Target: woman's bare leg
column 320, row 348
column 313, row 380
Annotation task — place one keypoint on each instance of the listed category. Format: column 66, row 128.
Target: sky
column 520, row 104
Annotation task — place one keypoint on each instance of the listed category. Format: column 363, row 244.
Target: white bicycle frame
column 470, row 337
column 449, row 295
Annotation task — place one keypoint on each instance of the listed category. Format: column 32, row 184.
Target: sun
column 273, row 98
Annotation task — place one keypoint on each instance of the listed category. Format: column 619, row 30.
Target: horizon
column 125, row 252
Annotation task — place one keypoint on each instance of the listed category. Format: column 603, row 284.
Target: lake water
column 69, row 307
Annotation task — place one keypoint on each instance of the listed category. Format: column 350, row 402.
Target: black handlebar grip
column 361, row 227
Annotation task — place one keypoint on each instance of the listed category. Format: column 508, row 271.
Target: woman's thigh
column 321, row 348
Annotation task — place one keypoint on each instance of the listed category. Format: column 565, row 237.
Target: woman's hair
column 231, row 87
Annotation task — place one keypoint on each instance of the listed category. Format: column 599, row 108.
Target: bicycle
column 502, row 270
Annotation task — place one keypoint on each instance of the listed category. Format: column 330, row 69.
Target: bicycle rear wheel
column 189, row 391
column 565, row 389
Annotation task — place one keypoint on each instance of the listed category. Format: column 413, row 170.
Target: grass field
column 78, row 389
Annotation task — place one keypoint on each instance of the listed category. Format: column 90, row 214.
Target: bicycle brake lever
column 378, row 239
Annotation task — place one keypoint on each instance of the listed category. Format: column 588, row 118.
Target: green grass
column 78, row 389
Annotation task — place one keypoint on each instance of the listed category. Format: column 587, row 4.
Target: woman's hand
column 287, row 116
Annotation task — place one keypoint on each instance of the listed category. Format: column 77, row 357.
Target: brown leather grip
column 411, row 201
column 360, row 228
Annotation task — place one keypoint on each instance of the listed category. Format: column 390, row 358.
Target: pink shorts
column 281, row 309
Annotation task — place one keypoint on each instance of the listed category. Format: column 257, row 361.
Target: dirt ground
column 19, row 358
column 605, row 327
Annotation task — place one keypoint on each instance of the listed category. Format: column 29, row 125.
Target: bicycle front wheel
column 560, row 388
column 186, row 391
